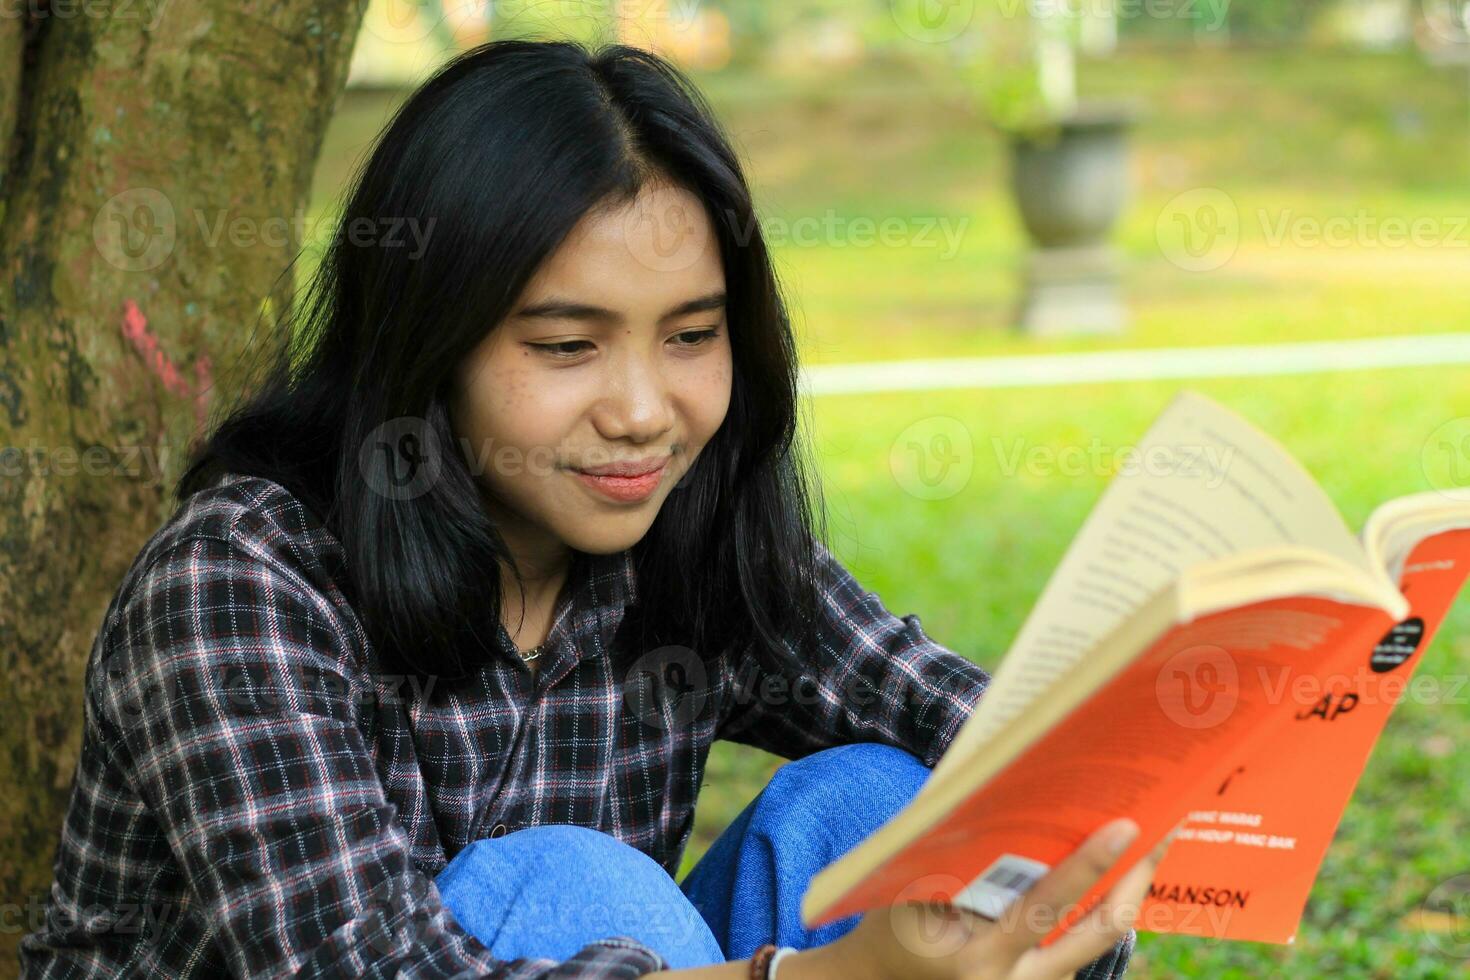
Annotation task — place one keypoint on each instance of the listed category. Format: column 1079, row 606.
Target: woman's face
column 617, row 352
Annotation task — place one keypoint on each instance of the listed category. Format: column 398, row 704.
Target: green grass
column 972, row 565
column 1305, row 135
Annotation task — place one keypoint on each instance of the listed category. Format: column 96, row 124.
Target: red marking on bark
column 203, row 385
column 146, row 343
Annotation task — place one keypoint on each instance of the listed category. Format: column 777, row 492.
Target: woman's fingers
column 1101, row 929
column 1035, row 913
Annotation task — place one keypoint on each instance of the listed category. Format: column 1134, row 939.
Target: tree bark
column 155, row 161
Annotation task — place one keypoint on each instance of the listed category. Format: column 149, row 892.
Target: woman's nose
column 640, row 405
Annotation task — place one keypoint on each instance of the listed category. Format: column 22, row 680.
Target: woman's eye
column 571, row 348
column 559, row 349
column 693, row 338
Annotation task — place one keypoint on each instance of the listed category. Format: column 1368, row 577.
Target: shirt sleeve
column 874, row 677
column 231, row 699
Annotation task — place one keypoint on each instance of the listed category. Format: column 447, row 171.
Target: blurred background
column 1079, row 207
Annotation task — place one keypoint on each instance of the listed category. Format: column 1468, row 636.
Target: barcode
column 1011, row 877
column 1008, row 878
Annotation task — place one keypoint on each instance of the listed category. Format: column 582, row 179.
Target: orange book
column 1216, row 651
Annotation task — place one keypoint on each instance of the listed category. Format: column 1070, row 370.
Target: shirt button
column 498, row 831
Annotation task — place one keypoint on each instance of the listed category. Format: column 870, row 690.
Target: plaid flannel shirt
column 254, row 798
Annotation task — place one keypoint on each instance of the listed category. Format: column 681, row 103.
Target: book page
column 1202, row 483
column 1396, row 527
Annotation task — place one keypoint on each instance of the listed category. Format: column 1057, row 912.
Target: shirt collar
column 615, row 581
column 610, row 585
column 600, row 590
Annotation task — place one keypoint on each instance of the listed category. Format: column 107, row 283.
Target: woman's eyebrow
column 562, row 309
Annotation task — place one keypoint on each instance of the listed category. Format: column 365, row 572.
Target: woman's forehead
column 641, row 258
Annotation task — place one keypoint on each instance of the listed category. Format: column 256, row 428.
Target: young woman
column 421, row 677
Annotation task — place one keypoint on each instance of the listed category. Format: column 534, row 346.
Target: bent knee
column 857, row 764
column 870, row 778
column 549, row 890
column 549, row 853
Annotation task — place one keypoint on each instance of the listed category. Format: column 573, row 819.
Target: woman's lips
column 624, row 489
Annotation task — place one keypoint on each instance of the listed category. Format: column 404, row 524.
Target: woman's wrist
column 818, row 963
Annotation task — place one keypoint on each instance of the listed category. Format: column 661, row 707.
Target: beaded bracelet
column 760, row 959
column 763, row 961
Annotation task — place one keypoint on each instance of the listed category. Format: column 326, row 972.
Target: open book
column 1216, row 647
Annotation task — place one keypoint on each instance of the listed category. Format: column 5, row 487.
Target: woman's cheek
column 712, row 394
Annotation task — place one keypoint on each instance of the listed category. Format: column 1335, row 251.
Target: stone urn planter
column 1070, row 182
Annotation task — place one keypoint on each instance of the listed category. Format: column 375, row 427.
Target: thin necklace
column 533, row 653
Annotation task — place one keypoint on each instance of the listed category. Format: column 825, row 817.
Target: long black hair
column 505, row 149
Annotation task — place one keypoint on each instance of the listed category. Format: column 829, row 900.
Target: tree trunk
column 155, row 160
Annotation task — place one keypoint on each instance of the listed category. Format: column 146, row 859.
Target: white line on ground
column 1036, row 370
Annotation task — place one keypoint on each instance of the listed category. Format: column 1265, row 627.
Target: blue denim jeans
column 550, row 890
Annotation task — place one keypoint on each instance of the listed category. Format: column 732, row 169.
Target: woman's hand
column 937, row 941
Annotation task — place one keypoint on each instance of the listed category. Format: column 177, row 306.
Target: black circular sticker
column 1397, row 645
